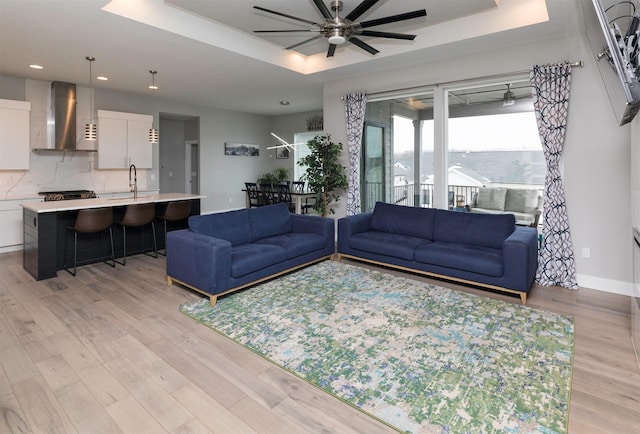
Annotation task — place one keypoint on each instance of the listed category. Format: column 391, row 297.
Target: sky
column 514, row 131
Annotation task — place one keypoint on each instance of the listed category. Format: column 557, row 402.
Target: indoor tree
column 324, row 174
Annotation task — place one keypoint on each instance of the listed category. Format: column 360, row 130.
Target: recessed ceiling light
column 102, row 78
column 284, row 103
column 34, row 66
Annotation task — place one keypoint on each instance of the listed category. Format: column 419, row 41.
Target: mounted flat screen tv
column 614, row 40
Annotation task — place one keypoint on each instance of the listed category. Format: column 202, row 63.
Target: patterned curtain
column 354, row 105
column 550, row 84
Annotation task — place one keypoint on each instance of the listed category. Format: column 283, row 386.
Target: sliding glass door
column 373, row 165
column 418, row 151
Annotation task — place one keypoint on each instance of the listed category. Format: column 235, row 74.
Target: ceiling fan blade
column 393, row 18
column 387, row 35
column 286, row 15
column 360, row 43
column 324, row 10
column 360, row 9
column 331, row 51
column 291, row 47
column 285, row 31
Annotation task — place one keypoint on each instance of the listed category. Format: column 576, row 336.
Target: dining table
column 298, row 198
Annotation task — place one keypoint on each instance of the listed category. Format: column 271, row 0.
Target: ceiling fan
column 339, row 30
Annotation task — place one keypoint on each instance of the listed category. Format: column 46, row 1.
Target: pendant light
column 154, row 136
column 90, row 129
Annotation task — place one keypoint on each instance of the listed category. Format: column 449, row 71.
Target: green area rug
column 416, row 356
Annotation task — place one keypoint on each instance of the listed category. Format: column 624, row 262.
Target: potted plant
column 281, row 174
column 324, row 174
column 268, row 178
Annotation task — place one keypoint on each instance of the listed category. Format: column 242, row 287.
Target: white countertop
column 12, row 197
column 76, row 204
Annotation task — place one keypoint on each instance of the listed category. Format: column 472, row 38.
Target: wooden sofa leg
column 523, row 298
column 169, row 281
column 213, row 300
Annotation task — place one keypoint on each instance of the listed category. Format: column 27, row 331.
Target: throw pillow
column 491, row 198
column 522, row 200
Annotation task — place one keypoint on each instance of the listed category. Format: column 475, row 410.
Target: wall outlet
column 586, row 252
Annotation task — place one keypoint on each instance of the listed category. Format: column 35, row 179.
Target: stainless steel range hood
column 63, row 105
column 62, row 119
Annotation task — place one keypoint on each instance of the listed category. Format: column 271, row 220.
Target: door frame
column 188, row 168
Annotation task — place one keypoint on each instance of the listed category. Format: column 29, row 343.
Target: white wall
column 596, row 153
column 285, row 126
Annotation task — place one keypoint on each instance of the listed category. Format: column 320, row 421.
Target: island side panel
column 40, row 244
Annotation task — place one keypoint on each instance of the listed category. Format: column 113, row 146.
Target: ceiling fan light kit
column 508, row 97
column 338, row 30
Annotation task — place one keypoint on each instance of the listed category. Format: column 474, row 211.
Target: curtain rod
column 578, row 64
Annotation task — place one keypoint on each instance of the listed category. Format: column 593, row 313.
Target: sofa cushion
column 522, row 200
column 385, row 243
column 232, row 226
column 484, row 230
column 475, row 259
column 268, row 221
column 491, row 197
column 296, row 243
column 403, row 220
column 247, row 258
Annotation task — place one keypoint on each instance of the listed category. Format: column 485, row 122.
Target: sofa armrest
column 201, row 261
column 322, row 226
column 351, row 225
column 311, row 223
column 520, row 257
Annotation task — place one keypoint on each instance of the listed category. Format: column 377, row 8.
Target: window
column 491, row 140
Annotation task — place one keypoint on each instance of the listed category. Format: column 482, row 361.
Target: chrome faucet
column 134, row 184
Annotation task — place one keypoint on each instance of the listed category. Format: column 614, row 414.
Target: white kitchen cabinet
column 11, row 235
column 123, row 139
column 14, row 134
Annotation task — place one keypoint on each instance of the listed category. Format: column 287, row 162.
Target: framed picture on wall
column 241, row 149
column 282, row 153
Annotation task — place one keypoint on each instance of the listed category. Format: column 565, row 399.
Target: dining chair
column 298, row 187
column 284, row 195
column 254, row 195
column 269, row 195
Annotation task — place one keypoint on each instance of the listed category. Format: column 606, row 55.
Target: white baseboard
column 606, row 285
column 11, row 248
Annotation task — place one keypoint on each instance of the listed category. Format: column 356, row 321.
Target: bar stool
column 175, row 212
column 90, row 221
column 139, row 215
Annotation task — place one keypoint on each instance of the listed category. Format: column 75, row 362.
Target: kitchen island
column 45, row 229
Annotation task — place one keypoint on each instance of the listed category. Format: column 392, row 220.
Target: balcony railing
column 406, row 195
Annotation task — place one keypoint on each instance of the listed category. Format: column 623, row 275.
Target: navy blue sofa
column 485, row 250
column 224, row 252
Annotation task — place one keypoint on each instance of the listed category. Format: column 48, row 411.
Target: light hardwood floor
column 109, row 352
